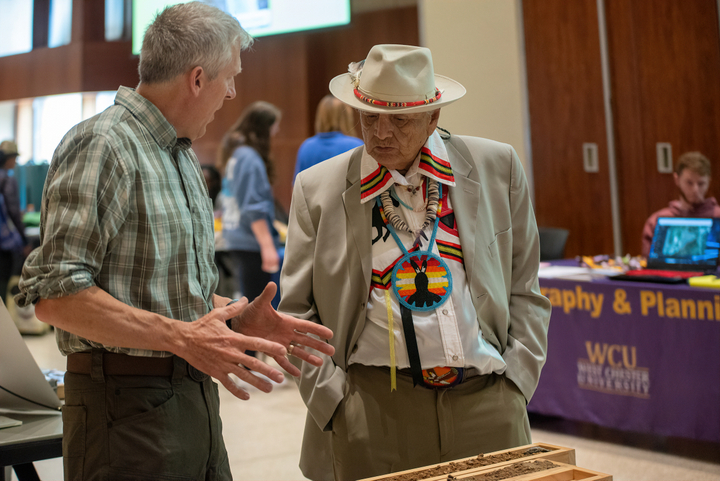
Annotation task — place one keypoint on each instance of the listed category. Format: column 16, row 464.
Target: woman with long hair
column 248, row 206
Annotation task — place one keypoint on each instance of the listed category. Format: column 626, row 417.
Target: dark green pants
column 376, row 431
column 143, row 427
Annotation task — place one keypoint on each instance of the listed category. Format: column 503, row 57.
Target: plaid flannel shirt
column 125, row 208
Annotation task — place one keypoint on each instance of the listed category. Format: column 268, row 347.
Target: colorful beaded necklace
column 420, row 279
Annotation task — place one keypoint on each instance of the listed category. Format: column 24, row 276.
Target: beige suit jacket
column 328, row 263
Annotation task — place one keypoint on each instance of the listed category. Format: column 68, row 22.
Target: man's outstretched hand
column 260, row 319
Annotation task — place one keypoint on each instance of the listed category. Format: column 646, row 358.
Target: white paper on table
column 574, row 272
column 554, row 272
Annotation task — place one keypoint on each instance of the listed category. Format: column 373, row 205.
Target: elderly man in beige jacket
column 420, row 251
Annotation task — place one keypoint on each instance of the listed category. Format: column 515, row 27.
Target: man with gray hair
column 125, row 270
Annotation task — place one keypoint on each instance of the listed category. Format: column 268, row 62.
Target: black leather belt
column 117, row 364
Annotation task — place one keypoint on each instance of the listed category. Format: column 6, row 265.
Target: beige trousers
column 376, row 431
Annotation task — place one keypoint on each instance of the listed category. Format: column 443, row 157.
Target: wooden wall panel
column 43, row 71
column 108, row 65
column 88, row 21
column 665, row 64
column 566, row 110
column 330, row 51
column 87, row 64
column 627, row 114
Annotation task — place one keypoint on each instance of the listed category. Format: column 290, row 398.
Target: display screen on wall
column 258, row 17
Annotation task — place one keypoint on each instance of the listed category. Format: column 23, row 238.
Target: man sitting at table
column 692, row 176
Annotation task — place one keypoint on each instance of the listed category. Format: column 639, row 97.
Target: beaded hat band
column 383, row 103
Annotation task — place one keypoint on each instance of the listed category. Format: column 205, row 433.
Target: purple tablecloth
column 633, row 356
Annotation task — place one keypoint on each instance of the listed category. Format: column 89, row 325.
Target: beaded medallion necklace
column 420, row 279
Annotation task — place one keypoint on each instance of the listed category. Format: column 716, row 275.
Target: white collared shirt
column 449, row 335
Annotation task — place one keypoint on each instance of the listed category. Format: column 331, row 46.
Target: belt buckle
column 443, row 377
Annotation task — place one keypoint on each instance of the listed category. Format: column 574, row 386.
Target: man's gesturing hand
column 260, row 320
column 211, row 347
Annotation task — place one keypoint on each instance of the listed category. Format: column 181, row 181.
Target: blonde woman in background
column 335, row 133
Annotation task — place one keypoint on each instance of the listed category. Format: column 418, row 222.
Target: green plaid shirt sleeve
column 125, row 208
column 84, row 208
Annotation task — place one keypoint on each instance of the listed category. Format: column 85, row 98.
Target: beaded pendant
column 421, row 280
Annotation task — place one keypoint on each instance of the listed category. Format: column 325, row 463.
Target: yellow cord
column 391, row 333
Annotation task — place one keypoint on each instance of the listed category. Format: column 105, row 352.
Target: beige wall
column 479, row 43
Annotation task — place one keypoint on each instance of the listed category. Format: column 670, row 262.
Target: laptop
column 23, row 386
column 682, row 247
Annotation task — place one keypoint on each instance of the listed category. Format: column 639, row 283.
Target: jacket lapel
column 465, row 198
column 358, row 238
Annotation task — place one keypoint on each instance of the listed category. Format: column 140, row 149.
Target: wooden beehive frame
column 562, row 472
column 555, row 453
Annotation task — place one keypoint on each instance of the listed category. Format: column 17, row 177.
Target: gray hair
column 188, row 35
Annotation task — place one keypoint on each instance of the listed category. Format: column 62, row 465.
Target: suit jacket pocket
column 502, row 239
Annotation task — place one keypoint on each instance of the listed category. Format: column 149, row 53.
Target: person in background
column 125, row 270
column 420, row 251
column 692, row 178
column 248, row 206
column 335, row 133
column 213, row 180
column 11, row 260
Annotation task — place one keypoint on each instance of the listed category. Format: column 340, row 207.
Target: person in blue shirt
column 335, row 133
column 248, row 206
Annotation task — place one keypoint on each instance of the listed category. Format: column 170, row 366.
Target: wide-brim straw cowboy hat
column 393, row 79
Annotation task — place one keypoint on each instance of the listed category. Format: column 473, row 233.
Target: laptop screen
column 20, row 373
column 682, row 243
